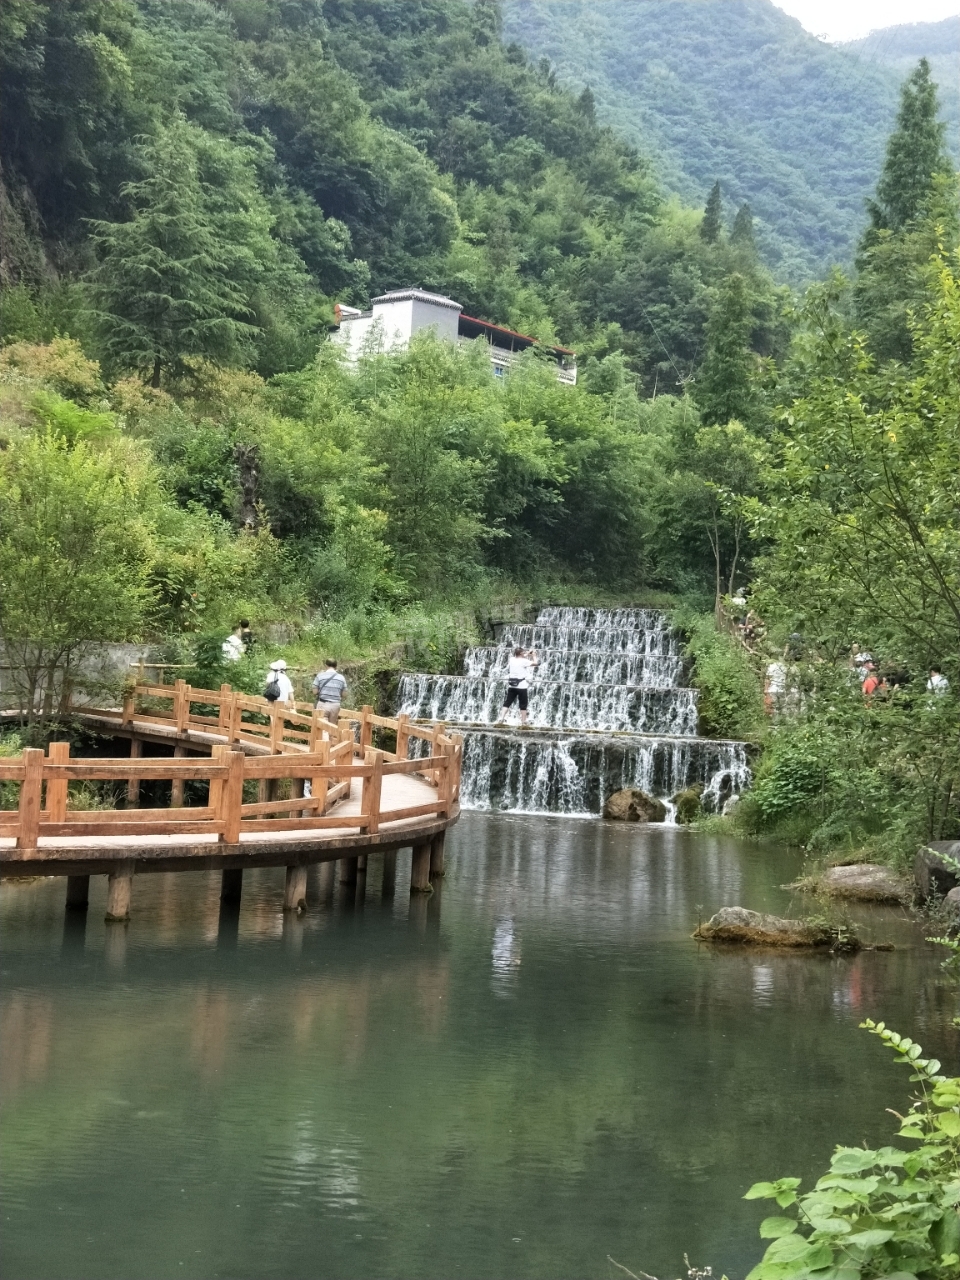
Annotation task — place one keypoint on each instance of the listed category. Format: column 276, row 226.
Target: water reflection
column 531, row 1068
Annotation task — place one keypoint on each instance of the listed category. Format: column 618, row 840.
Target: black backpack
column 272, row 691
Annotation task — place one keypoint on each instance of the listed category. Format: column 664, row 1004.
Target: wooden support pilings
column 231, row 884
column 420, row 869
column 348, row 870
column 78, row 893
column 119, row 889
column 436, row 856
column 295, row 889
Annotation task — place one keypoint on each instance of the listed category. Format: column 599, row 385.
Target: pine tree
column 742, row 234
column 915, row 156
column 724, row 389
column 712, row 222
column 175, row 280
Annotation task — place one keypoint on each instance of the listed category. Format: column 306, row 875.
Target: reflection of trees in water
column 26, row 1030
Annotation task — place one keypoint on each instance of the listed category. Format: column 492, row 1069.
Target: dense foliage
column 216, row 175
column 891, row 1212
column 738, row 92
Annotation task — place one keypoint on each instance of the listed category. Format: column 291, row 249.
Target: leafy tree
column 712, row 224
column 74, row 560
column 724, row 389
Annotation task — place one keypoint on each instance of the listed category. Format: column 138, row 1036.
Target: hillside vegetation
column 737, row 92
column 899, row 49
column 322, row 152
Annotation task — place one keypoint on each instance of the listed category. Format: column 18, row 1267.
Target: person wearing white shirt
column 279, row 677
column 520, row 671
column 938, row 682
column 233, row 647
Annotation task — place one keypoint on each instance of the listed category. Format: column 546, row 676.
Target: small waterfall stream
column 608, row 709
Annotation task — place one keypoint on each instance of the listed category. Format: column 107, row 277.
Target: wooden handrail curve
column 298, row 745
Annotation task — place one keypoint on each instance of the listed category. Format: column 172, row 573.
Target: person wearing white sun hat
column 279, row 687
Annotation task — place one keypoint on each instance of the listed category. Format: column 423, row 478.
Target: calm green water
column 534, row 1070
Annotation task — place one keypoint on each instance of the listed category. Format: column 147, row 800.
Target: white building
column 395, row 317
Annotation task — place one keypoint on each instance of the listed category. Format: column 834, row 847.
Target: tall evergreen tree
column 724, row 389
column 712, row 223
column 915, row 211
column 177, row 279
column 742, row 234
column 915, row 156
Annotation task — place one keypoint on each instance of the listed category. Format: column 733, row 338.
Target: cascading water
column 608, row 710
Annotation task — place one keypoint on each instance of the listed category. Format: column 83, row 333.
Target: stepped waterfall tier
column 608, row 709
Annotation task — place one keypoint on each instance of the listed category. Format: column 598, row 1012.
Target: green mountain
column 900, row 48
column 735, row 91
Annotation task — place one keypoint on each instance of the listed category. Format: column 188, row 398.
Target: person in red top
column 871, row 683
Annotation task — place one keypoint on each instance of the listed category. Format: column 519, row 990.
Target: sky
column 848, row 19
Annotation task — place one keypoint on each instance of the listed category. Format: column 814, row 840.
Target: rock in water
column 737, row 924
column 864, row 882
column 952, row 901
column 631, row 805
column 688, row 803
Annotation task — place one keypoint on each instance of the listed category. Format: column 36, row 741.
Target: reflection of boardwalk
column 324, row 792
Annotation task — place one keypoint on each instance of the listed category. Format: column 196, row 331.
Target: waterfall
column 608, row 709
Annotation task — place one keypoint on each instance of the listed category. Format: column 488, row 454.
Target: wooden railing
column 300, row 747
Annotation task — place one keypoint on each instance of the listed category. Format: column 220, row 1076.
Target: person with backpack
column 329, row 687
column 279, row 686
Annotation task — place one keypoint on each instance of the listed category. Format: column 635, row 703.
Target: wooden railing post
column 181, row 705
column 56, row 808
column 445, row 783
column 133, row 784
column 320, row 786
column 276, row 729
column 366, row 730
column 371, row 794
column 30, row 798
column 236, row 717
column 176, row 783
column 129, row 705
column 231, row 798
column 223, row 717
column 403, row 736
column 215, row 792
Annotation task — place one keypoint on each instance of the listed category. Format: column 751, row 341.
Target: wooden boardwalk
column 369, row 784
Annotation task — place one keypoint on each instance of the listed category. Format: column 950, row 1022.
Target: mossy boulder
column 737, row 924
column 632, row 805
column 687, row 803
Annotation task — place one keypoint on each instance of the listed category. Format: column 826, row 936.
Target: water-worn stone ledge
column 859, row 882
column 738, row 924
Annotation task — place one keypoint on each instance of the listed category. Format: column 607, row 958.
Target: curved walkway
column 324, row 792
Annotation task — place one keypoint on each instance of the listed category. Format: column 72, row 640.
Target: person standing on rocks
column 520, row 671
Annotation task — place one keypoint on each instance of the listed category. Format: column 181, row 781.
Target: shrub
column 731, row 695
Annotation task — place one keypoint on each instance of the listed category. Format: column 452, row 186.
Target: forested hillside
column 899, row 48
column 737, row 92
column 332, row 151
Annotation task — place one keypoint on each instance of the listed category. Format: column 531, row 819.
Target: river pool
column 532, row 1070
